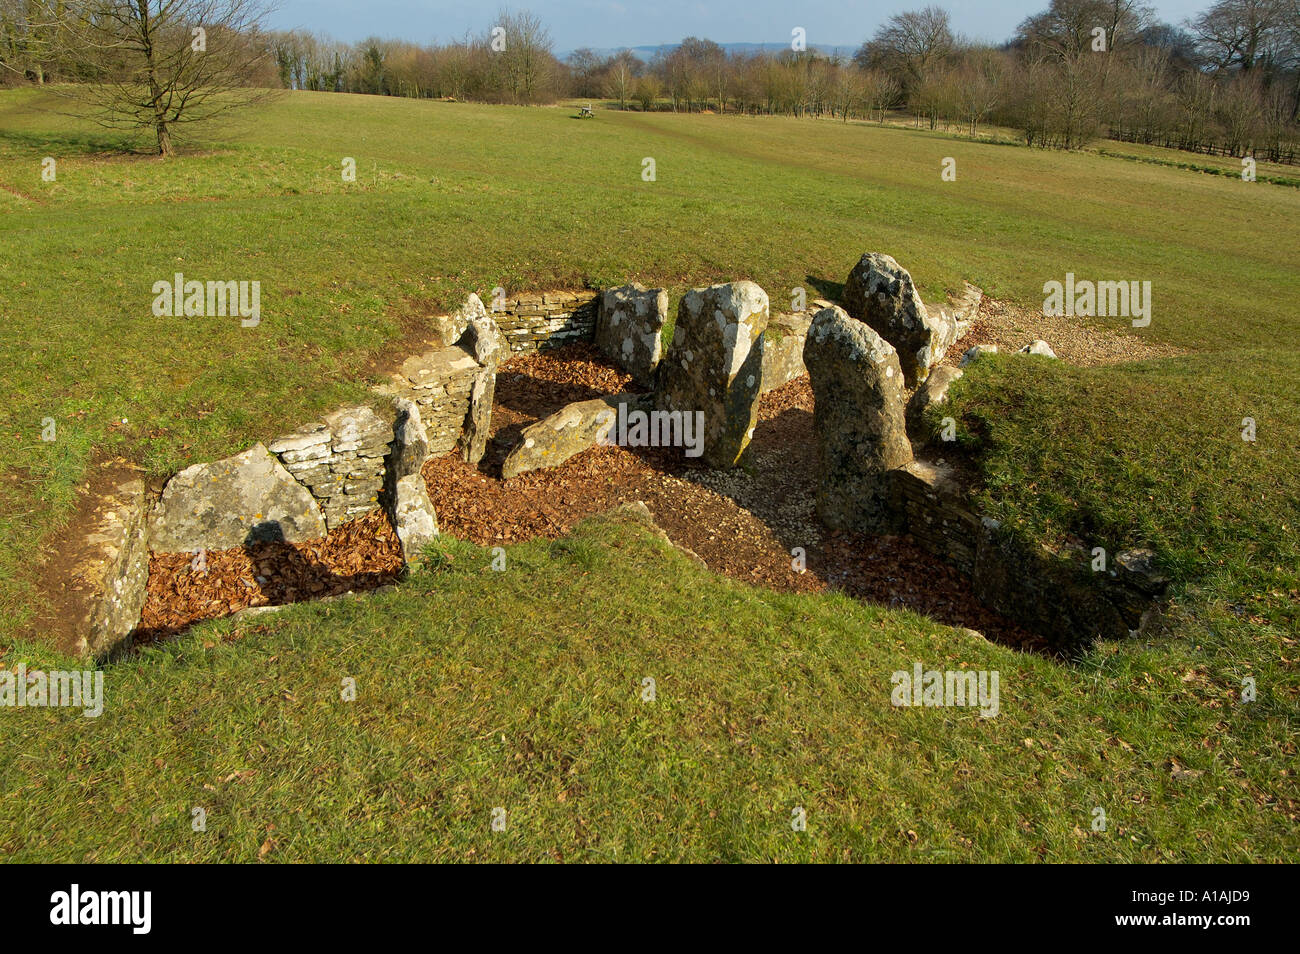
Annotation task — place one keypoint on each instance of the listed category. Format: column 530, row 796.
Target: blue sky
column 616, row 23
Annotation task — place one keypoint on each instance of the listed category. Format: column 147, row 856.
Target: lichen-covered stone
column 628, row 328
column 858, row 417
column 880, row 292
column 340, row 460
column 715, row 365
column 483, row 338
column 571, row 430
column 478, row 416
column 410, row 447
column 109, row 581
column 449, row 329
column 246, row 498
column 783, row 349
column 413, row 516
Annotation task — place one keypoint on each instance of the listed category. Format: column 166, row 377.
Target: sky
column 602, row 24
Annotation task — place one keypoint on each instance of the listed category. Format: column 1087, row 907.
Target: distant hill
column 648, row 52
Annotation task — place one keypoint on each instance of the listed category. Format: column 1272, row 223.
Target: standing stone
column 413, row 516
column 488, row 345
column 106, row 586
column 228, row 503
column 448, row 329
column 880, row 292
column 715, row 365
column 482, row 335
column 783, row 350
column 410, row 447
column 628, row 328
column 858, row 415
column 478, row 420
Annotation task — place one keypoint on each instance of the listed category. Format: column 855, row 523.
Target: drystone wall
column 536, row 322
column 938, row 514
column 440, row 383
column 340, row 460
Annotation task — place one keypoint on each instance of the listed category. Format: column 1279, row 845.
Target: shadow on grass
column 85, row 144
column 830, row 290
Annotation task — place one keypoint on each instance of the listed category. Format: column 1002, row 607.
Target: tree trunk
column 164, row 140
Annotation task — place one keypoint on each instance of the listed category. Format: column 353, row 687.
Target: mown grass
column 781, row 697
column 479, row 690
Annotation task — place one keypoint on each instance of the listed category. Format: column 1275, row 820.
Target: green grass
column 478, row 690
column 1272, row 172
column 770, row 700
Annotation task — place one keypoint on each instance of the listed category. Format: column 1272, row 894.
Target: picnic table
column 584, row 112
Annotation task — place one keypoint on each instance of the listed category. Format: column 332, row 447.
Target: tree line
column 1224, row 82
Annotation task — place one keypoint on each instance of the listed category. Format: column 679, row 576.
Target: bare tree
column 880, row 92
column 159, row 64
column 979, row 86
column 910, row 45
column 848, row 93
column 29, row 42
column 1239, row 33
column 527, row 55
column 1066, row 28
column 621, row 77
column 586, row 67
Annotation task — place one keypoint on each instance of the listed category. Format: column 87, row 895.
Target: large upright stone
column 448, row 329
column 478, row 420
column 858, row 416
column 628, row 327
column 715, row 365
column 105, row 587
column 410, row 447
column 483, row 338
column 487, row 343
column 880, row 292
column 413, row 516
column 242, row 499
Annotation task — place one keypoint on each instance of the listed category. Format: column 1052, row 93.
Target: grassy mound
column 522, row 690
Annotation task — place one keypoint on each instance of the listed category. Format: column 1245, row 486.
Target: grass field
column 475, row 700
